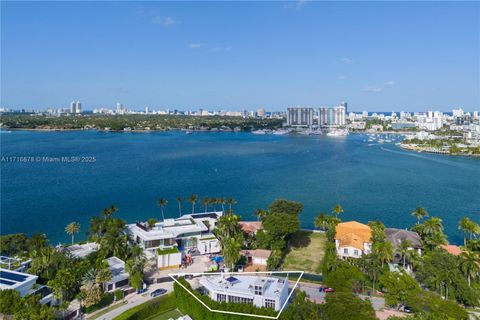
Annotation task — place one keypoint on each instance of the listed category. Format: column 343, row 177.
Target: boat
column 337, row 133
column 188, row 132
column 280, row 132
column 259, row 132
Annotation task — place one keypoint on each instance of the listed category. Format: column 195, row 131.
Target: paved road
column 312, row 290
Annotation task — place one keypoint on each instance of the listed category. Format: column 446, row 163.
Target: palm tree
column 72, row 228
column 231, row 202
column 403, row 250
column 419, row 213
column 193, row 199
column 104, row 275
column 222, row 202
column 470, row 265
column 434, row 228
column 464, row 225
column 414, row 259
column 151, row 222
column 231, row 250
column 383, row 251
column 205, row 203
column 179, row 201
column 162, row 203
column 473, row 229
column 108, row 212
column 337, row 210
column 321, row 221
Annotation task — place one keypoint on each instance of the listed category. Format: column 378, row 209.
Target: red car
column 326, row 290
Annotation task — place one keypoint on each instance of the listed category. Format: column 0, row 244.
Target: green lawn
column 306, row 252
column 172, row 314
column 106, row 310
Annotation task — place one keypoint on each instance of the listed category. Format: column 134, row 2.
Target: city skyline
column 234, row 56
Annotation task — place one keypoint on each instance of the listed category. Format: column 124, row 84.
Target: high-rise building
column 332, row 116
column 75, row 107
column 300, row 116
column 79, row 107
column 119, row 109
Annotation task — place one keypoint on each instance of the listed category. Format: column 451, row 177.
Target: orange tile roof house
column 452, row 249
column 250, row 227
column 352, row 239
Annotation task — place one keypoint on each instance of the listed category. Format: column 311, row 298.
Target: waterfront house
column 119, row 275
column 396, row 236
column 167, row 240
column 353, row 239
column 81, row 251
column 25, row 284
column 261, row 291
column 19, row 281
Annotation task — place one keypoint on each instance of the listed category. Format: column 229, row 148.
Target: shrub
column 119, row 294
column 106, row 300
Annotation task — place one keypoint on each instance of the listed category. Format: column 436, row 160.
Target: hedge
column 148, row 309
column 187, row 304
column 106, row 300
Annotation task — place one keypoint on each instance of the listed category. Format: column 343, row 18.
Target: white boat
column 337, row 133
column 280, row 132
column 259, row 132
column 188, row 132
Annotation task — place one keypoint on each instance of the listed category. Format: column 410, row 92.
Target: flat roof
column 12, row 279
column 244, row 285
column 173, row 228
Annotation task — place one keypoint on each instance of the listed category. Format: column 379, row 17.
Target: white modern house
column 167, row 240
column 81, row 251
column 261, row 291
column 119, row 275
column 19, row 281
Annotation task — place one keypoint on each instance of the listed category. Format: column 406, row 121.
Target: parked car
column 141, row 291
column 158, row 292
column 327, row 290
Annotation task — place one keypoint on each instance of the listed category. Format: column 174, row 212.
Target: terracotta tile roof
column 250, row 226
column 353, row 234
column 258, row 253
column 452, row 249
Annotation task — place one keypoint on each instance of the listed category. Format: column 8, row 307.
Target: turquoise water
column 132, row 170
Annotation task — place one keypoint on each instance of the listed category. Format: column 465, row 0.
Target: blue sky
column 379, row 56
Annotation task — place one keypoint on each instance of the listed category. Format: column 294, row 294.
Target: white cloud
column 347, row 60
column 342, row 77
column 372, row 88
column 389, row 83
column 164, row 21
column 195, row 45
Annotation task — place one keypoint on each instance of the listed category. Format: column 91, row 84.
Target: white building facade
column 267, row 292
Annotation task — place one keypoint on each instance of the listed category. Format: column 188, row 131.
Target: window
column 345, row 251
column 269, row 303
column 258, row 290
column 355, row 252
column 235, row 299
column 221, row 297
